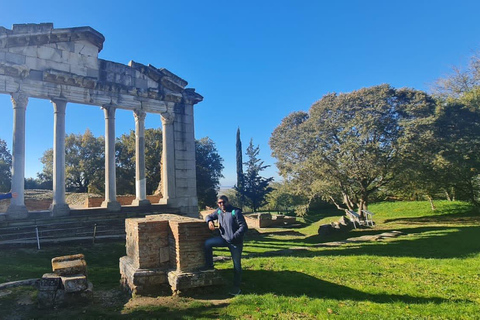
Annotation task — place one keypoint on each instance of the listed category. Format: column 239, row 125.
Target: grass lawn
column 432, row 271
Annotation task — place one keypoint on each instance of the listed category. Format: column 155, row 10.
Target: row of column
column 17, row 208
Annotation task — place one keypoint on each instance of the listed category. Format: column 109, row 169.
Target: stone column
column 59, row 207
column 140, row 180
column 168, row 160
column 17, row 208
column 110, row 202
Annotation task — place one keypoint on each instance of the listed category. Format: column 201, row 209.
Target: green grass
column 430, row 272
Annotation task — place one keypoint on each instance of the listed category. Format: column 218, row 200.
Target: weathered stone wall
column 92, row 202
column 163, row 252
column 147, row 243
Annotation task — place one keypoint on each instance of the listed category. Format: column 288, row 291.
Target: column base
column 187, row 206
column 17, row 212
column 166, row 201
column 59, row 209
column 113, row 206
column 141, row 203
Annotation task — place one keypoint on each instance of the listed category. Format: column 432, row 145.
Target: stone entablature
column 62, row 65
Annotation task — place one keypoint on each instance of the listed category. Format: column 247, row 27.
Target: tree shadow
column 442, row 242
column 452, row 217
column 434, row 243
column 292, row 283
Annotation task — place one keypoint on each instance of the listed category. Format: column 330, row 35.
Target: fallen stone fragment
column 69, row 265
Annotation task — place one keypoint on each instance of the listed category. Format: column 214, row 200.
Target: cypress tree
column 240, row 177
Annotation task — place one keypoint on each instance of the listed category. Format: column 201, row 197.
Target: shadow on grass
column 194, row 311
column 433, row 242
column 443, row 218
column 291, row 283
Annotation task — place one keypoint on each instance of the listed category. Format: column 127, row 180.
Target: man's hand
column 211, row 226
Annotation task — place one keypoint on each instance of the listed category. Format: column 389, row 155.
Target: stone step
column 77, row 226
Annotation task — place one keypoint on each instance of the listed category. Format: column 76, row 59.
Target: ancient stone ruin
column 265, row 220
column 62, row 66
column 164, row 253
column 68, row 283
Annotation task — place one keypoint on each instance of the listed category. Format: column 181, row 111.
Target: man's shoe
column 206, row 268
column 235, row 291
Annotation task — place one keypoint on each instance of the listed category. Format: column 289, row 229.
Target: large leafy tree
column 5, row 167
column 456, row 160
column 209, row 171
column 125, row 160
column 256, row 187
column 348, row 146
column 458, row 130
column 84, row 163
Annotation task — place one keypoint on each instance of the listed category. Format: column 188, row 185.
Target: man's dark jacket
column 232, row 224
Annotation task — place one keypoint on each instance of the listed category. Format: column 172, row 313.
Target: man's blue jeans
column 235, row 251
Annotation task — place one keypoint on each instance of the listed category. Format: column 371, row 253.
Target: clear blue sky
column 254, row 62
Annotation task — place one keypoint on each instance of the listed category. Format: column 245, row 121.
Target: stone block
column 29, row 51
column 60, row 66
column 142, row 281
column 69, row 265
column 64, row 46
column 86, row 49
column 141, row 83
column 35, row 75
column 189, row 280
column 48, row 53
column 32, row 63
column 93, row 72
column 75, row 283
column 15, row 58
column 78, row 70
column 49, row 282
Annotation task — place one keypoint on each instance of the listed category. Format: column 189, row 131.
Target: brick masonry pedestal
column 163, row 253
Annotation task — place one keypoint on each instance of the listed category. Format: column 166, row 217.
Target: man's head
column 222, row 202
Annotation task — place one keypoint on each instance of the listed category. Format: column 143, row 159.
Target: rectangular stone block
column 49, row 282
column 15, row 58
column 76, row 283
column 69, row 265
column 142, row 281
column 49, row 53
column 189, row 280
column 86, row 49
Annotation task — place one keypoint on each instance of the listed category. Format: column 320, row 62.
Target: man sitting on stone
column 232, row 227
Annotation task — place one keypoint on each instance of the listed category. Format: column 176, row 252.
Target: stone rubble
column 67, row 283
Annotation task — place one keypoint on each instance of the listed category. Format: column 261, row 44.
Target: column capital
column 168, row 118
column 59, row 105
column 19, row 100
column 139, row 115
column 109, row 111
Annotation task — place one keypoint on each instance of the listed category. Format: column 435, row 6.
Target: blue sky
column 254, row 62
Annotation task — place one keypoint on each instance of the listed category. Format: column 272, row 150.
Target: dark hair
column 224, row 198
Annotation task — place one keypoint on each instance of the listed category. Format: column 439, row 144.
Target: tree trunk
column 362, row 206
column 447, row 195
column 432, row 205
